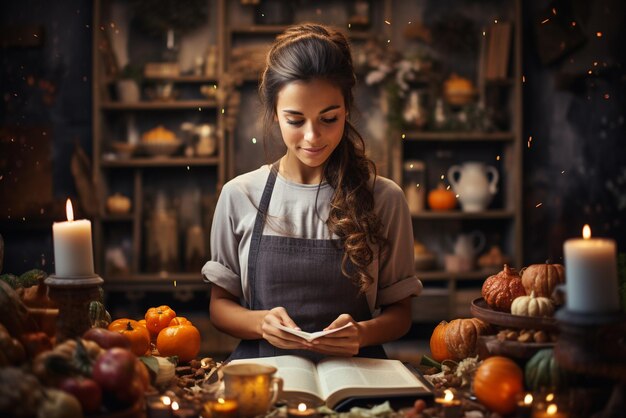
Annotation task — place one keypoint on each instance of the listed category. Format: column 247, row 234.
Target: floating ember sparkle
column 538, row 205
column 387, row 22
column 599, row 34
column 545, row 21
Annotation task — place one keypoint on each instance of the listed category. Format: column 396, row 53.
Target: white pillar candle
column 591, row 274
column 73, row 252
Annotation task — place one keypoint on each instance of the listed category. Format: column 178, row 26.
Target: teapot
column 469, row 245
column 475, row 184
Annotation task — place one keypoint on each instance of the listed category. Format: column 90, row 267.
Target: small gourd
column 461, row 336
column 543, row 372
column 438, row 347
column 441, row 199
column 501, row 289
column 532, row 306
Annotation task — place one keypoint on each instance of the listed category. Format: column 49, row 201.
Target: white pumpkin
column 532, row 306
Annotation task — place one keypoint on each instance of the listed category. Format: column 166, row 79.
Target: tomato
column 106, row 339
column 87, row 391
column 114, row 370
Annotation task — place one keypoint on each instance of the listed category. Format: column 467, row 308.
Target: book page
column 310, row 336
column 344, row 377
column 298, row 374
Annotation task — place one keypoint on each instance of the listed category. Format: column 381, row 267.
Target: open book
column 335, row 379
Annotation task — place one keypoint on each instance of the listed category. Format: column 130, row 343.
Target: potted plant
column 128, row 83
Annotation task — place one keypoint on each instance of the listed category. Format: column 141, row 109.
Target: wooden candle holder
column 73, row 295
column 594, row 345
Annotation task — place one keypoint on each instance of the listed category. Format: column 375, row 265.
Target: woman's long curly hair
column 311, row 51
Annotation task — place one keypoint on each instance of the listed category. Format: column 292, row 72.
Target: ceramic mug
column 253, row 385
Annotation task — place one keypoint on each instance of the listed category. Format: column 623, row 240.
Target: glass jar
column 413, row 185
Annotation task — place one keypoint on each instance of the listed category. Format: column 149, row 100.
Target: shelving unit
column 447, row 294
column 239, row 147
column 140, row 177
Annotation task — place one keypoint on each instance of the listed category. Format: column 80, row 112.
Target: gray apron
column 303, row 276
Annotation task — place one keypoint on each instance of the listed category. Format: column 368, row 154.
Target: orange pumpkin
column 462, row 335
column 497, row 382
column 137, row 334
column 440, row 199
column 179, row 340
column 438, row 347
column 179, row 320
column 542, row 278
column 159, row 318
column 500, row 290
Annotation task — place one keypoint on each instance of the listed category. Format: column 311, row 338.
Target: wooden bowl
column 481, row 310
column 489, row 345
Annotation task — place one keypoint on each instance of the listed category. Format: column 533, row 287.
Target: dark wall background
column 574, row 169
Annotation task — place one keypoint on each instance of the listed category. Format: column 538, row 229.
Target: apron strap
column 257, row 232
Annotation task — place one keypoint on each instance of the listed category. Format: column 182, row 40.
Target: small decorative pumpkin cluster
column 528, row 294
column 457, row 339
column 173, row 335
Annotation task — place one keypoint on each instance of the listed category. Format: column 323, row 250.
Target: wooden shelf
column 126, row 217
column 254, row 30
column 157, row 281
column 456, row 214
column 439, row 275
column 184, row 79
column 458, row 136
column 173, row 105
column 160, row 162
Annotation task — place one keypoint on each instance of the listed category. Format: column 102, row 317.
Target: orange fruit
column 179, row 340
column 158, row 318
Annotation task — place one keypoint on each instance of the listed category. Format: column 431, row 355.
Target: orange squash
column 179, row 340
column 137, row 334
column 500, row 290
column 497, row 382
column 158, row 318
column 462, row 335
column 440, row 199
column 438, row 347
column 179, row 320
column 542, row 278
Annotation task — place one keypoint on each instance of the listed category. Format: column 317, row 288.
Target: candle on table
column 301, row 411
column 73, row 251
column 551, row 411
column 220, row 408
column 524, row 405
column 591, row 274
column 160, row 407
column 451, row 406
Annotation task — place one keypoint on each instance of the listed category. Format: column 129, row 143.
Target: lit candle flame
column 550, row 397
column 69, row 211
column 552, row 409
column 175, row 406
column 586, row 232
column 166, row 400
column 301, row 407
column 528, row 399
column 220, row 400
column 448, row 395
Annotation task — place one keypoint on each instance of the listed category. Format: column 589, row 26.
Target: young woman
column 316, row 240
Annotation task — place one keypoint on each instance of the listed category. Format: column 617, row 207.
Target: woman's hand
column 278, row 337
column 346, row 342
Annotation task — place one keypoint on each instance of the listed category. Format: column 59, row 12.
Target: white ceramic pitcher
column 469, row 245
column 475, row 183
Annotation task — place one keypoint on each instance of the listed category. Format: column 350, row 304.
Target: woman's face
column 311, row 116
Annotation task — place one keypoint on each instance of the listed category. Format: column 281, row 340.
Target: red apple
column 106, row 339
column 87, row 391
column 114, row 370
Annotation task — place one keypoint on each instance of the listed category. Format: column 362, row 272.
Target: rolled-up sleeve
column 396, row 276
column 224, row 269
